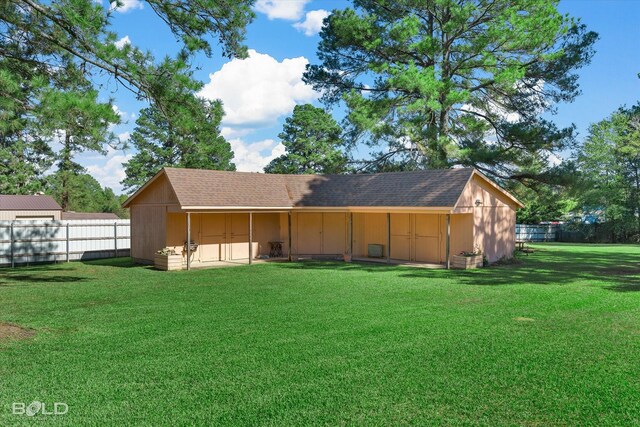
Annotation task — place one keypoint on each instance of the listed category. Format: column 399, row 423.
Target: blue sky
column 261, row 91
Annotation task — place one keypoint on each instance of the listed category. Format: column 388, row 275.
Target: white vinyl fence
column 537, row 232
column 23, row 242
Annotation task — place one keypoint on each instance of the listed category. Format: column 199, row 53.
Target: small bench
column 521, row 247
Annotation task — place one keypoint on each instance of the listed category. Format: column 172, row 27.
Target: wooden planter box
column 167, row 262
column 466, row 262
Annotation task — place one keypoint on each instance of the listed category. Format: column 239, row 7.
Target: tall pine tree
column 195, row 143
column 313, row 143
column 434, row 84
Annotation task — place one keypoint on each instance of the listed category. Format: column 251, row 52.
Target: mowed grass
column 552, row 341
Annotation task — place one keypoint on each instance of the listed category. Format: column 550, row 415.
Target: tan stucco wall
column 494, row 231
column 147, row 231
column 494, row 219
column 30, row 215
column 149, row 220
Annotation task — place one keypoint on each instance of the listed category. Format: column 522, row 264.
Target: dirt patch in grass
column 9, row 331
column 524, row 319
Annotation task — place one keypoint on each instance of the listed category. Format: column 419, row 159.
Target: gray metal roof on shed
column 28, row 203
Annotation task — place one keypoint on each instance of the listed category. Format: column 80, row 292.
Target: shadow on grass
column 340, row 266
column 44, row 267
column 619, row 272
column 121, row 262
column 17, row 279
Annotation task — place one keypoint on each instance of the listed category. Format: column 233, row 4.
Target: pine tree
column 195, row 143
column 312, row 139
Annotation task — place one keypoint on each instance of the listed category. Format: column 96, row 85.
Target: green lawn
column 552, row 341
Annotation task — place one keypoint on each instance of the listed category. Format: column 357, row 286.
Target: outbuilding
column 419, row 216
column 29, row 207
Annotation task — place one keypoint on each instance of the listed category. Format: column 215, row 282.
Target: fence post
column 115, row 239
column 12, row 246
column 67, row 235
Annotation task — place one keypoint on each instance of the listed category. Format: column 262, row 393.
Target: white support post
column 448, row 242
column 250, row 237
column 188, row 240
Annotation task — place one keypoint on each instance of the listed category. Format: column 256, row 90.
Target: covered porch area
column 224, row 238
column 393, row 236
column 235, row 237
column 410, row 238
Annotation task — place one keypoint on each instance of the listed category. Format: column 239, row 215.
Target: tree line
column 423, row 85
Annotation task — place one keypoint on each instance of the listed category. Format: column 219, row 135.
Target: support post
column 188, row 240
column 67, row 239
column 12, row 246
column 448, row 242
column 350, row 236
column 250, row 237
column 115, row 239
column 388, row 238
column 289, row 235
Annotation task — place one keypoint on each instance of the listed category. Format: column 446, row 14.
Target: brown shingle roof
column 200, row 187
column 28, row 203
column 429, row 188
column 88, row 215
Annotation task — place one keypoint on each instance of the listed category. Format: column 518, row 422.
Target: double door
column 223, row 237
column 321, row 233
column 415, row 237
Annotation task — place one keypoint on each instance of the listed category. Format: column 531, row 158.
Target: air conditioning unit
column 375, row 251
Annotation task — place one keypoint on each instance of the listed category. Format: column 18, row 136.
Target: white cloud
column 110, row 171
column 124, row 136
column 122, row 42
column 253, row 157
column 127, row 5
column 230, row 132
column 281, row 9
column 258, row 90
column 124, row 116
column 312, row 23
column 554, row 159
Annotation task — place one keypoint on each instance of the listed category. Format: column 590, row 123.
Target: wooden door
column 238, row 228
column 333, row 233
column 212, row 244
column 401, row 236
column 426, row 238
column 309, row 232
